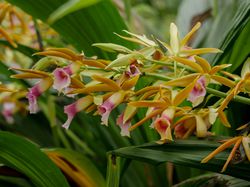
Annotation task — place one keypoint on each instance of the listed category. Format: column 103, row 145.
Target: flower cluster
column 176, row 100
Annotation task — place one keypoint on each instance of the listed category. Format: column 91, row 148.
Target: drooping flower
column 162, row 124
column 107, row 106
column 123, row 125
column 72, row 109
column 36, row 91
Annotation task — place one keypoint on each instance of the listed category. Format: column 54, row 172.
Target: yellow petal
column 201, row 127
column 148, row 94
column 223, row 119
column 129, row 113
column 217, row 68
column 174, row 39
column 94, row 88
column 63, row 50
column 182, row 81
column 93, row 63
column 54, row 53
column 203, row 63
column 135, row 40
column 146, row 89
column 27, row 76
column 185, row 40
column 189, row 63
column 151, row 115
column 220, row 149
column 107, row 81
column 183, row 94
column 236, row 146
column 130, row 83
column 191, row 52
column 226, row 101
column 6, row 7
column 37, row 72
column 154, row 103
column 223, row 80
column 76, row 83
column 7, row 37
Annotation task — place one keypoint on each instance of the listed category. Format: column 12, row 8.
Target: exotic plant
column 177, row 101
column 168, row 89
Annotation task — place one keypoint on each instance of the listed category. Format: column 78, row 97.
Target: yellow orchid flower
column 243, row 139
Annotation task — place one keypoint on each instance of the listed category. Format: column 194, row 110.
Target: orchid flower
column 72, row 109
column 44, row 84
column 243, row 140
column 242, row 84
column 124, row 120
column 62, row 76
column 198, row 121
column 107, row 106
column 205, row 73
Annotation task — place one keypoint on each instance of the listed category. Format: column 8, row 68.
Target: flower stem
column 237, row 98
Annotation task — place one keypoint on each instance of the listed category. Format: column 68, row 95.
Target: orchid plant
column 176, row 101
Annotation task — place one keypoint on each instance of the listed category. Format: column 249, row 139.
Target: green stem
column 237, row 98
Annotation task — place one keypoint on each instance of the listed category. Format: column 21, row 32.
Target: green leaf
column 77, row 167
column 213, row 180
column 25, row 157
column 113, row 171
column 14, row 181
column 82, row 28
column 186, row 153
column 69, row 7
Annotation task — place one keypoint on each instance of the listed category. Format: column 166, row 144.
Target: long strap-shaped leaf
column 82, row 28
column 26, row 158
column 186, row 153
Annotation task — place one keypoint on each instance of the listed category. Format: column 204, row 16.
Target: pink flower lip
column 32, row 96
column 124, row 126
column 8, row 111
column 104, row 110
column 198, row 92
column 71, row 111
column 61, row 78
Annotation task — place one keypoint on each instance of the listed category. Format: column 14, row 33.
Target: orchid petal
column 174, row 38
column 221, row 148
column 189, row 63
column 185, row 40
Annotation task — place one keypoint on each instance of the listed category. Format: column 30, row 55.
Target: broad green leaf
column 25, row 157
column 77, row 167
column 186, row 153
column 69, row 7
column 82, row 28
